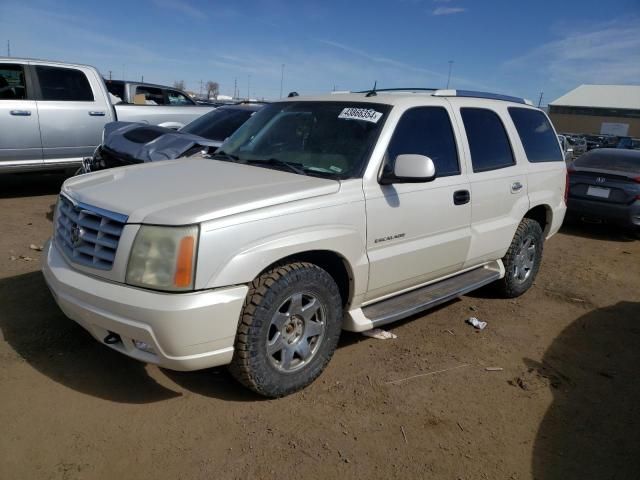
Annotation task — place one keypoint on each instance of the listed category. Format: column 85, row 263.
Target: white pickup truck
column 52, row 114
column 319, row 214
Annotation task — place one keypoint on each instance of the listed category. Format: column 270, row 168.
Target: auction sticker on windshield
column 366, row 114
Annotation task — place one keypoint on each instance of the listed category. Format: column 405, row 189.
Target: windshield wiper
column 275, row 161
column 222, row 155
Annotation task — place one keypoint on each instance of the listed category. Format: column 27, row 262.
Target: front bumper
column 627, row 216
column 186, row 331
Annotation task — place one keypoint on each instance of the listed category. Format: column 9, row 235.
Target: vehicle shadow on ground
column 57, row 347
column 592, row 428
column 15, row 185
column 597, row 231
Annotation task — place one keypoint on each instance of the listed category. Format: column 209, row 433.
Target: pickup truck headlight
column 163, row 258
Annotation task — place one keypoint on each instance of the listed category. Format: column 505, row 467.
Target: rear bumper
column 627, row 216
column 185, row 331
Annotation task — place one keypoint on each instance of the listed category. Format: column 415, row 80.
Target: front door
column 20, row 143
column 417, row 232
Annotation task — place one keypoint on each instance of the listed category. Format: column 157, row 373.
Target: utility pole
column 8, row 48
column 449, row 76
column 201, row 89
column 248, row 87
column 281, row 79
column 109, row 74
column 235, row 88
column 141, row 78
column 540, row 99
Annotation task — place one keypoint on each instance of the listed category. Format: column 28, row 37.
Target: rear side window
column 537, row 136
column 12, row 84
column 488, row 140
column 64, row 84
column 149, row 96
column 427, row 131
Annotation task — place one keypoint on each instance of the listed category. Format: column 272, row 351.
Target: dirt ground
column 565, row 403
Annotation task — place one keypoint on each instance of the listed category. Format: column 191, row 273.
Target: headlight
column 163, row 258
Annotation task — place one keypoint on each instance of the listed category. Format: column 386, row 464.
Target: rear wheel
column 522, row 260
column 289, row 328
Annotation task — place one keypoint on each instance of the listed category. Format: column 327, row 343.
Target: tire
column 289, row 328
column 522, row 260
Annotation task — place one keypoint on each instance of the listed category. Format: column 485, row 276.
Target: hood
column 192, row 190
column 149, row 143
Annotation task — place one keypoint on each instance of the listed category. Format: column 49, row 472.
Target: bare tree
column 213, row 89
column 179, row 84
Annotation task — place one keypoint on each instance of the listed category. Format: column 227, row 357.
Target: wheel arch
column 543, row 214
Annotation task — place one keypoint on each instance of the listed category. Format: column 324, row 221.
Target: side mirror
column 410, row 168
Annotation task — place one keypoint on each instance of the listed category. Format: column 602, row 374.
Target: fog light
column 145, row 347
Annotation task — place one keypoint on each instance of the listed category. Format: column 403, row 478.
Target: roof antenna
column 372, row 93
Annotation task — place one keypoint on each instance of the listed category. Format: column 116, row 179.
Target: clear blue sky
column 508, row 46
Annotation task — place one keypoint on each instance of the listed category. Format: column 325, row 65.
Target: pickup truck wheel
column 522, row 260
column 289, row 328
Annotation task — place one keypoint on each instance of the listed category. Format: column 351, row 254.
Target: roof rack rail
column 404, row 89
column 475, row 94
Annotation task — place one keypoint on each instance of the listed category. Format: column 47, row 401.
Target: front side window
column 331, row 139
column 426, row 131
column 537, row 135
column 177, row 98
column 12, row 83
column 64, row 84
column 488, row 140
column 148, row 96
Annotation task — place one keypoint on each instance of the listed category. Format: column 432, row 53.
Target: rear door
column 20, row 143
column 498, row 182
column 73, row 110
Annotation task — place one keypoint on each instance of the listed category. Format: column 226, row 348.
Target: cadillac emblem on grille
column 600, row 179
column 76, row 238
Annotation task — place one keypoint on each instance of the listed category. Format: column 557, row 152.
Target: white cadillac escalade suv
column 344, row 211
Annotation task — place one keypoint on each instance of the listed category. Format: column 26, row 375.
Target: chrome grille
column 88, row 235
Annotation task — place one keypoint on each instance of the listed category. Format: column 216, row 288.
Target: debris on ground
column 37, row 248
column 25, row 258
column 13, row 257
column 494, row 369
column 479, row 324
column 379, row 334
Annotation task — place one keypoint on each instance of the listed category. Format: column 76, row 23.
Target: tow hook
column 112, row 338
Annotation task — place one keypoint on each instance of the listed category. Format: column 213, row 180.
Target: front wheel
column 523, row 259
column 289, row 328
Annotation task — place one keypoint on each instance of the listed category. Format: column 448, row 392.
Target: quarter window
column 64, row 84
column 426, row 131
column 12, row 84
column 539, row 142
column 488, row 141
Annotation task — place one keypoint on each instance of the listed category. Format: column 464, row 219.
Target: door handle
column 96, row 114
column 20, row 113
column 516, row 187
column 461, row 197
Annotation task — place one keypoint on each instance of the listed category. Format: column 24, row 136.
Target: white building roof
column 602, row 96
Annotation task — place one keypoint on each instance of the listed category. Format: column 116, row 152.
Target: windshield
column 332, row 139
column 218, row 124
column 621, row 160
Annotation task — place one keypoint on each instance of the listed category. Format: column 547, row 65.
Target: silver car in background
column 52, row 114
